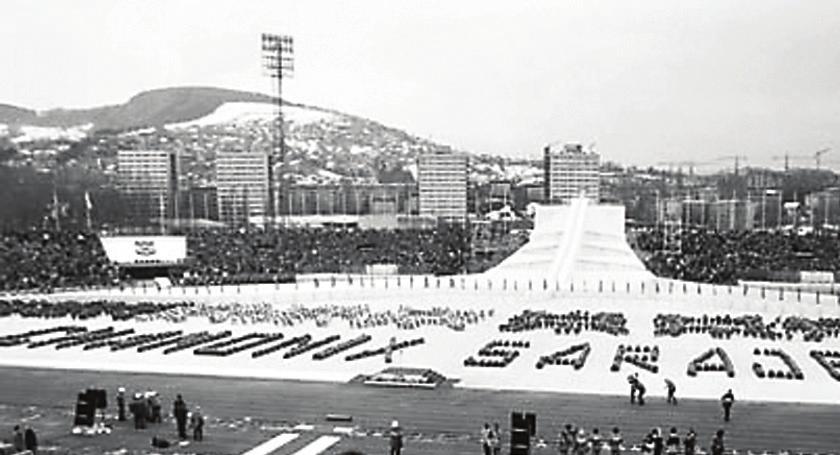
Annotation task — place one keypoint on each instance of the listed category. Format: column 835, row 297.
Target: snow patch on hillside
column 241, row 113
column 29, row 133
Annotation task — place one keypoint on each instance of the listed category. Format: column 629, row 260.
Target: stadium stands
column 726, row 257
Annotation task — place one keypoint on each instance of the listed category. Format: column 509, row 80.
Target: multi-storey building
column 769, row 214
column 361, row 199
column 442, row 182
column 824, row 208
column 570, row 172
column 733, row 215
column 148, row 179
column 242, row 186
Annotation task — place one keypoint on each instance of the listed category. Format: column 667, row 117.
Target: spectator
column 496, row 445
column 672, row 444
column 717, row 446
column 121, row 404
column 179, row 410
column 580, row 445
column 17, row 439
column 197, row 424
column 726, row 401
column 595, row 442
column 395, row 439
column 616, row 442
column 485, row 434
column 139, row 411
column 30, row 440
column 690, row 442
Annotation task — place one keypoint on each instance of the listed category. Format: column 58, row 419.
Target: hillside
column 153, row 108
column 323, row 145
column 12, row 115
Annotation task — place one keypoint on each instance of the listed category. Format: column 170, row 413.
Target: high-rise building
column 570, row 172
column 148, row 180
column 733, row 215
column 824, row 208
column 769, row 214
column 442, row 181
column 344, row 199
column 242, row 186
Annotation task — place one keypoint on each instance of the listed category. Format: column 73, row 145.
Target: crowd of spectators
column 726, row 257
column 574, row 440
column 233, row 256
column 46, row 260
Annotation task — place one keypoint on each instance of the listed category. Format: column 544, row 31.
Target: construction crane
column 737, row 159
column 679, row 165
column 818, row 154
column 816, row 157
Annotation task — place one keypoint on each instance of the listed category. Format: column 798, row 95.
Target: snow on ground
column 240, row 113
column 52, row 133
column 4, row 129
column 445, row 349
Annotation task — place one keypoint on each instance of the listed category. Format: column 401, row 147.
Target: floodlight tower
column 278, row 62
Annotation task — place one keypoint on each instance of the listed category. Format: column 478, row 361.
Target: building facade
column 148, row 180
column 733, row 215
column 442, row 180
column 570, row 172
column 242, row 186
column 352, row 199
column 824, row 208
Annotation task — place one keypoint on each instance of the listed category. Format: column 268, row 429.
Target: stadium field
column 243, row 413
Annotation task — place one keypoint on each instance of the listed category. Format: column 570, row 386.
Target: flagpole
column 56, row 210
column 162, row 213
column 88, row 206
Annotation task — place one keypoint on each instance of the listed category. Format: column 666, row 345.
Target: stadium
column 329, row 362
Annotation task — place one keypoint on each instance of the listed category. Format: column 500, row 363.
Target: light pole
column 278, row 61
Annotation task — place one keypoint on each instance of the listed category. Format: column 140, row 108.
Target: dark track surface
column 442, row 421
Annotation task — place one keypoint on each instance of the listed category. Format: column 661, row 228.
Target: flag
column 88, row 203
column 55, row 205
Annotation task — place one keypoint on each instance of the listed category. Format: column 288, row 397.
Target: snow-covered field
column 445, row 349
column 241, row 113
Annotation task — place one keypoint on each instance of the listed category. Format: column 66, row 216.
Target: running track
column 435, row 422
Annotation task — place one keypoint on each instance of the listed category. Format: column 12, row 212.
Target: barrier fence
column 739, row 297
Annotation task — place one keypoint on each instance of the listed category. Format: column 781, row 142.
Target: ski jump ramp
column 575, row 242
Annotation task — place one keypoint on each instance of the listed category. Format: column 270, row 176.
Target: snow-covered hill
column 242, row 113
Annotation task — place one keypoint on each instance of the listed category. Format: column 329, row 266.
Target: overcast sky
column 647, row 81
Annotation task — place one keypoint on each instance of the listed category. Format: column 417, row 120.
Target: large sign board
column 145, row 250
column 814, row 277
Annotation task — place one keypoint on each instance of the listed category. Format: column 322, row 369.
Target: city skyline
column 647, row 83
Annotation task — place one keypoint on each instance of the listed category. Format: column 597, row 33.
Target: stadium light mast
column 278, row 62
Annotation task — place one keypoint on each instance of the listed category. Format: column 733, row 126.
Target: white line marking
column 319, row 445
column 272, row 444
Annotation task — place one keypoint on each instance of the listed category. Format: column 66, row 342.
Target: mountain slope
column 150, row 108
column 15, row 115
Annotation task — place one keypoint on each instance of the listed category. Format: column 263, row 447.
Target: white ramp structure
column 578, row 241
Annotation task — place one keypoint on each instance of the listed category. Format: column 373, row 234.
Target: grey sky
column 647, row 80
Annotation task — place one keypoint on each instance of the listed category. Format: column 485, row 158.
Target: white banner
column 811, row 276
column 145, row 250
column 381, row 269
